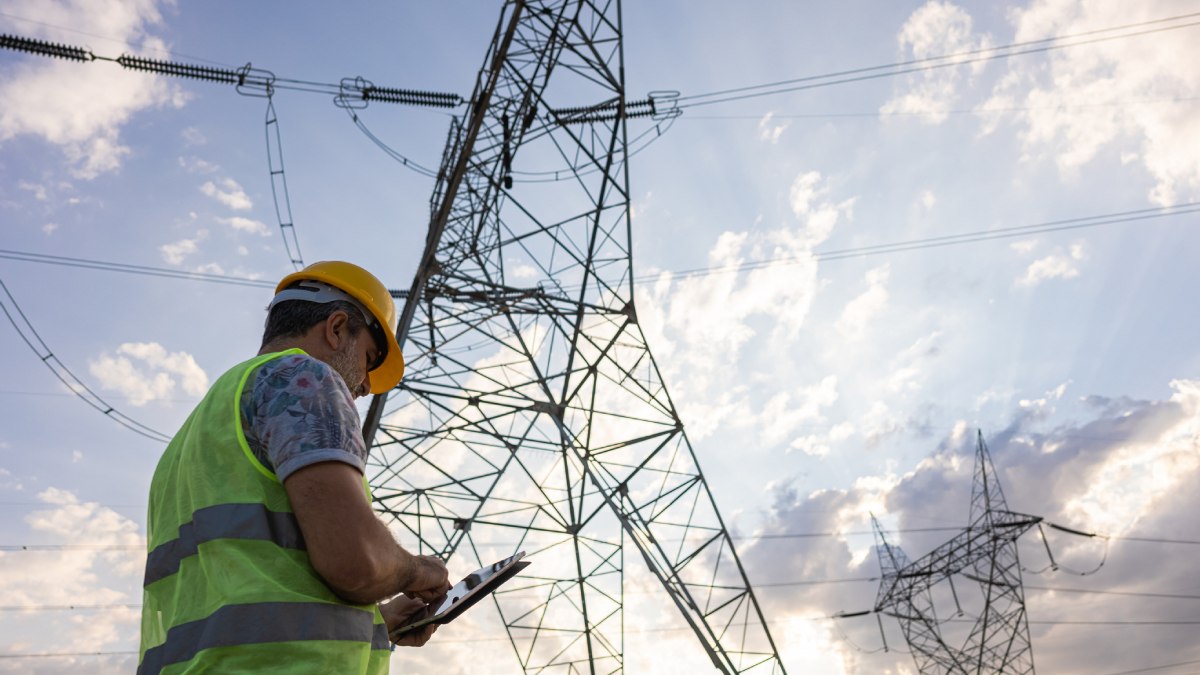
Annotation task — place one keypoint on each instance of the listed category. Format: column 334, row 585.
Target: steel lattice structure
column 532, row 415
column 985, row 554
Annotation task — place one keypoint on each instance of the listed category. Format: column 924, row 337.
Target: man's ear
column 337, row 329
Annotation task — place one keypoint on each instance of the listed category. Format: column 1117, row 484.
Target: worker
column 263, row 551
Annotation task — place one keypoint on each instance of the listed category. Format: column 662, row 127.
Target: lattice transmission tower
column 532, row 415
column 985, row 554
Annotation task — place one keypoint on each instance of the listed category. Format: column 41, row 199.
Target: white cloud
column 1054, row 266
column 77, row 107
column 859, row 312
column 194, row 164
column 770, row 132
column 1142, row 471
column 786, row 412
column 175, row 252
column 807, row 199
column 522, row 271
column 79, row 576
column 210, row 268
column 193, row 136
column 937, row 27
column 694, row 323
column 229, row 193
column 1140, row 76
column 38, row 190
column 1127, row 467
column 1024, row 245
column 49, row 228
column 246, row 225
column 145, row 371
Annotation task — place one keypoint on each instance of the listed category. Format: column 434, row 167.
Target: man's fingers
column 418, row 638
column 429, row 597
column 431, row 576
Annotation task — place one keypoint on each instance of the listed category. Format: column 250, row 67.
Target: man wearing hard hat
column 264, row 553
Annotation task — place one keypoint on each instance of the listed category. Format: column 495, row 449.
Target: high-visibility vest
column 229, row 586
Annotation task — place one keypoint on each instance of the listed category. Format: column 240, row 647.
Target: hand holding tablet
column 473, row 588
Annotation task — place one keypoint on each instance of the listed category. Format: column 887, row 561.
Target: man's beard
column 347, row 363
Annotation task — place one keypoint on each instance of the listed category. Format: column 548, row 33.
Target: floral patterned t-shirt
column 297, row 411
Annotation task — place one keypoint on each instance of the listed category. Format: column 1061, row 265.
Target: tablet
column 473, row 588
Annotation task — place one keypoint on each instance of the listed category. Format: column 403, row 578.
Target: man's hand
column 401, row 611
column 429, row 580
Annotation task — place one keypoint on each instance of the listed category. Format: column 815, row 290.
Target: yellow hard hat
column 370, row 292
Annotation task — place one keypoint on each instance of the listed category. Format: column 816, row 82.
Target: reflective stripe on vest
column 265, row 622
column 223, row 521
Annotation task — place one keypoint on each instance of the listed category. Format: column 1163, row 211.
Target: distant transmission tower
column 532, row 415
column 984, row 554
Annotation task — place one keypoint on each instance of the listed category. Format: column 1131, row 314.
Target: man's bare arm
column 349, row 547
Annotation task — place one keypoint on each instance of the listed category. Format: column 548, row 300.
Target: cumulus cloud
column 106, row 570
column 938, row 27
column 146, row 371
column 194, row 164
column 862, row 309
column 786, row 412
column 696, row 322
column 175, row 252
column 193, row 136
column 240, row 224
column 769, row 132
column 38, row 190
column 1123, row 466
column 1137, row 84
column 83, row 109
column 1054, row 266
column 228, row 192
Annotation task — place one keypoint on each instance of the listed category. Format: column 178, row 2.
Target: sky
column 816, row 389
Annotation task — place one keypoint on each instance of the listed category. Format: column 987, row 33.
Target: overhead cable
column 674, row 629
column 875, row 114
column 944, row 61
column 1083, row 222
column 35, row 343
column 836, row 254
column 249, row 81
column 146, row 270
column 279, row 188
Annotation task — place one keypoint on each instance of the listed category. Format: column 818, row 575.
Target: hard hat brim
column 388, row 374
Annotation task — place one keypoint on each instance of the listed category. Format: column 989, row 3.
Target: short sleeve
column 300, row 412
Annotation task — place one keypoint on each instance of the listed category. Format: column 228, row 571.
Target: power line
column 279, row 188
column 791, row 535
column 1159, row 667
column 936, row 242
column 933, row 62
column 60, row 655
column 146, row 270
column 36, row 344
column 113, row 40
column 249, row 81
column 1190, row 542
column 673, row 629
column 1121, row 217
column 1170, row 596
column 875, row 114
